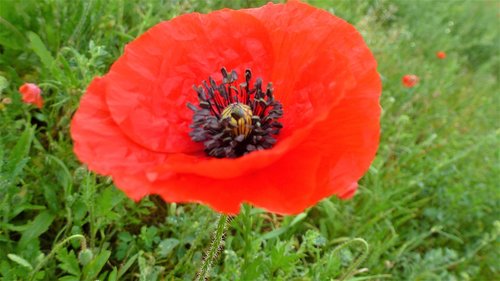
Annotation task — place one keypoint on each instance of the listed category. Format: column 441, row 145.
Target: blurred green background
column 428, row 207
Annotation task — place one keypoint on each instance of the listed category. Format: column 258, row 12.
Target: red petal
column 100, row 143
column 317, row 58
column 322, row 70
column 410, row 80
column 152, row 82
column 349, row 138
column 31, row 94
column 329, row 159
column 284, row 192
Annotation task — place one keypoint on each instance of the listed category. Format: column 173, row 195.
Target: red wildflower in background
column 410, row 80
column 441, row 55
column 31, row 94
column 310, row 134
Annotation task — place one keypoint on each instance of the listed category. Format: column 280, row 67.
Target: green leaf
column 106, row 201
column 17, row 259
column 39, row 48
column 63, row 175
column 38, row 226
column 166, row 246
column 275, row 233
column 68, row 278
column 19, row 155
column 148, row 270
column 254, row 269
column 50, row 193
column 91, row 270
column 148, row 236
column 3, row 84
column 113, row 276
column 300, row 217
column 127, row 265
column 69, row 262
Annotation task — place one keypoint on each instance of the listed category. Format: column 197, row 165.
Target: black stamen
column 231, row 121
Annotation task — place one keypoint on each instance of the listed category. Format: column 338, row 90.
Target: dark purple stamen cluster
column 224, row 112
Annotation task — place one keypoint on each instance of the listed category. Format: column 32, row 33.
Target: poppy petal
column 349, row 138
column 312, row 71
column 153, row 80
column 92, row 128
column 31, row 94
column 284, row 192
column 133, row 123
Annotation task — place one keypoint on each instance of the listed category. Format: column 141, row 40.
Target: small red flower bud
column 441, row 55
column 31, row 94
column 410, row 80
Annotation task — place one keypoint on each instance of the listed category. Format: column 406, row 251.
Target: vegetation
column 427, row 209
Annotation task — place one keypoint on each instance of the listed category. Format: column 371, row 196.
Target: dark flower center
column 231, row 121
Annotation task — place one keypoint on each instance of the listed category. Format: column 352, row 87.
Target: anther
column 232, row 121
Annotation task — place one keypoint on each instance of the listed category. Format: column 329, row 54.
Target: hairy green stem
column 350, row 270
column 214, row 249
column 54, row 250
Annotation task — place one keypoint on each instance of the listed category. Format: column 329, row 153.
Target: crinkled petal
column 312, row 47
column 100, row 143
column 283, row 192
column 153, row 80
column 313, row 69
column 348, row 139
column 330, row 162
column 322, row 71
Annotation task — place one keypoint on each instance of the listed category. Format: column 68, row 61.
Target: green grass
column 428, row 207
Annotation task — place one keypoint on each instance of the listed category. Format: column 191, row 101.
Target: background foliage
column 428, row 207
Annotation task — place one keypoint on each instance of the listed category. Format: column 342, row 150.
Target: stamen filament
column 233, row 121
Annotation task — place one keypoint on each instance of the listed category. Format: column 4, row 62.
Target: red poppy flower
column 313, row 132
column 31, row 94
column 441, row 55
column 410, row 80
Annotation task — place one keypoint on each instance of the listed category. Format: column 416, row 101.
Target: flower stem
column 365, row 249
column 215, row 247
column 54, row 250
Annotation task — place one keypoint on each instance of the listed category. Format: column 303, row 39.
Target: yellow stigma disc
column 240, row 118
